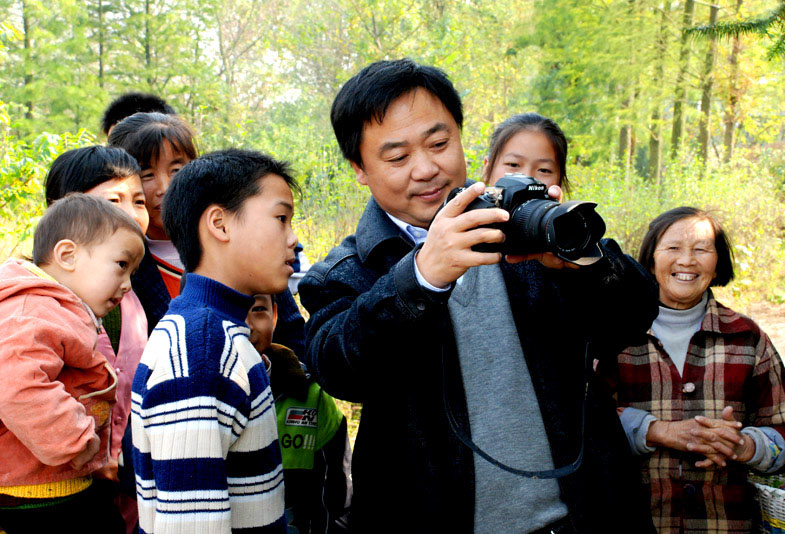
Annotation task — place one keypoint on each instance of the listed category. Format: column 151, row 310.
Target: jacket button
column 690, row 489
column 689, row 387
column 420, row 305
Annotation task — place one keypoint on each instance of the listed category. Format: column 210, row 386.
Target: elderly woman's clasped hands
column 719, row 440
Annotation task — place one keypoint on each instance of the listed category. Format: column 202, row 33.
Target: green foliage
column 23, row 167
column 746, row 195
column 590, row 70
column 8, row 33
column 262, row 74
column 771, row 25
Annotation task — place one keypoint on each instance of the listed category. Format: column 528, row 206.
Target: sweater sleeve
column 636, row 425
column 769, row 446
column 34, row 405
column 768, row 423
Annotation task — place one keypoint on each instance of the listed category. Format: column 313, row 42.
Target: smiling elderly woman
column 701, row 396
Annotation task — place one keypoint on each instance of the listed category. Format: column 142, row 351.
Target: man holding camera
column 480, row 412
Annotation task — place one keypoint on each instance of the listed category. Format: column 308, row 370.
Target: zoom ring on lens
column 528, row 233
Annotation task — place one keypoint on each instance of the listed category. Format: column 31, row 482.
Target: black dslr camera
column 539, row 224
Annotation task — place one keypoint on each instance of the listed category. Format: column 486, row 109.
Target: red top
column 170, row 274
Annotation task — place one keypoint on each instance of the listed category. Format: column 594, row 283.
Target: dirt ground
column 771, row 318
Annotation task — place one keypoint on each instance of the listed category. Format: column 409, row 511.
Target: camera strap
column 549, row 473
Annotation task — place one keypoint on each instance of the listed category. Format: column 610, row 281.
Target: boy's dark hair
column 226, row 178
column 368, row 94
column 81, row 169
column 84, row 219
column 143, row 134
column 533, row 122
column 129, row 103
column 660, row 225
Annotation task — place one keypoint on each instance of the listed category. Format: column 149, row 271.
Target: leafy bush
column 23, row 167
column 746, row 195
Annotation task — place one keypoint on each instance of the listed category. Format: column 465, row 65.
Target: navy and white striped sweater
column 206, row 451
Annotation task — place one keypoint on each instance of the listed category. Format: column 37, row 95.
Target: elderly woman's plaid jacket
column 730, row 362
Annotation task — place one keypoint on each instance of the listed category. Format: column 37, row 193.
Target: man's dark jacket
column 377, row 337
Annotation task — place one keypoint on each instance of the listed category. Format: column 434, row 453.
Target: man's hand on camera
column 546, row 258
column 447, row 253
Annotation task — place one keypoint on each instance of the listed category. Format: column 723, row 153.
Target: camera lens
column 526, row 229
column 571, row 229
column 567, row 230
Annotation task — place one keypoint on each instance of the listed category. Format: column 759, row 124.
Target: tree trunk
column 192, row 95
column 148, row 55
column 28, row 79
column 655, row 135
column 101, row 44
column 681, row 90
column 707, row 85
column 626, row 141
column 732, row 111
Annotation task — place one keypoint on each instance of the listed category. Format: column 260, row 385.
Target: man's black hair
column 226, row 178
column 368, row 94
column 126, row 105
column 81, row 169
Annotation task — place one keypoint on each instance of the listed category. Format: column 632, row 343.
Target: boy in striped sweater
column 206, row 450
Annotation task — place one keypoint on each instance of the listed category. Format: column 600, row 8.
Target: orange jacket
column 56, row 390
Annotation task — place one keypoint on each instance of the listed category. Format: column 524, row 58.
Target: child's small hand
column 87, row 454
column 109, row 471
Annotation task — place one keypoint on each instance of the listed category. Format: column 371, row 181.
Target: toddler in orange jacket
column 56, row 390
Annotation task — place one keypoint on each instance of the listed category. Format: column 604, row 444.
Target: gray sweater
column 504, row 414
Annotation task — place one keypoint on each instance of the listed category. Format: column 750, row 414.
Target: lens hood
column 573, row 231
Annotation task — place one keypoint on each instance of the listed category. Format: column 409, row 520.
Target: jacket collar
column 40, row 273
column 720, row 319
column 375, row 228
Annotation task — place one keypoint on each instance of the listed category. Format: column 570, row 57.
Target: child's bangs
column 149, row 142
